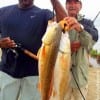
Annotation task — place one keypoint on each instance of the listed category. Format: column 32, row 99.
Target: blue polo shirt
column 25, row 27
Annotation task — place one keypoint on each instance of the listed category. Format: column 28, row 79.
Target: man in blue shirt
column 22, row 24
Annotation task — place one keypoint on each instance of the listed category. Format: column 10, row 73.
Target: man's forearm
column 60, row 11
column 93, row 32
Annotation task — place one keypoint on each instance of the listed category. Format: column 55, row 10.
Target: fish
column 47, row 57
column 61, row 75
column 53, row 58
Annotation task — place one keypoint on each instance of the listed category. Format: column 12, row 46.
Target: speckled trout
column 54, row 63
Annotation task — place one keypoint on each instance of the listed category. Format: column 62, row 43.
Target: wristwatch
column 82, row 27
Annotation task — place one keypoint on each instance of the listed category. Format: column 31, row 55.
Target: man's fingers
column 7, row 43
column 75, row 46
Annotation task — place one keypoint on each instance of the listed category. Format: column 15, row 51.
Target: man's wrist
column 81, row 28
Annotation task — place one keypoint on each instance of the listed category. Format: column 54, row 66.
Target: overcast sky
column 90, row 8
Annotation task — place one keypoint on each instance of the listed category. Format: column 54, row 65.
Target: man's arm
column 85, row 38
column 60, row 11
column 90, row 28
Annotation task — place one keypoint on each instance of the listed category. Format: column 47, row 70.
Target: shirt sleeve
column 2, row 11
column 49, row 14
column 90, row 28
column 86, row 40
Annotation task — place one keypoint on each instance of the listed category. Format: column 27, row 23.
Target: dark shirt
column 25, row 27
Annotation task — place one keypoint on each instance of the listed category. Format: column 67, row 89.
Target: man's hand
column 74, row 24
column 7, row 43
column 75, row 46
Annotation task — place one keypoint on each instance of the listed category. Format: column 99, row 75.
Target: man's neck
column 24, row 7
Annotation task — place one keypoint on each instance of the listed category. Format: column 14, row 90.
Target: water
column 93, row 62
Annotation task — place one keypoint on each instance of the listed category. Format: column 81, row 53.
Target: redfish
column 47, row 57
column 61, row 77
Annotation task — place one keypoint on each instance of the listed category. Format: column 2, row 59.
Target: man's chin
column 73, row 14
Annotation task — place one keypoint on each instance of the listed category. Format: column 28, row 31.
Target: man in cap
column 83, row 35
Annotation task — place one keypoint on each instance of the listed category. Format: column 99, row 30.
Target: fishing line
column 96, row 16
column 77, row 84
